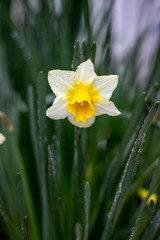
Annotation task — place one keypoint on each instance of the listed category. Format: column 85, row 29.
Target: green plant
column 58, row 181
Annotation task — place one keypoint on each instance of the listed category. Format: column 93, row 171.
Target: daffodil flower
column 142, row 193
column 2, row 138
column 81, row 95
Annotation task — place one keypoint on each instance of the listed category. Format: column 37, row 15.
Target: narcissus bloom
column 81, row 95
column 2, row 138
column 142, row 193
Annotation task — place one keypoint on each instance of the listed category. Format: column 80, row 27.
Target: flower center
column 80, row 106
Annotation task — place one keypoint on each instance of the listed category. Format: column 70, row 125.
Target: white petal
column 81, row 124
column 85, row 72
column 60, row 82
column 105, row 85
column 106, row 107
column 58, row 110
column 2, row 138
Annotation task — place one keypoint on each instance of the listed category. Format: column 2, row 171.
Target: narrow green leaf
column 139, row 182
column 41, row 109
column 120, row 195
column 155, row 179
column 77, row 174
column 87, row 19
column 104, row 196
column 53, row 189
column 93, row 52
column 151, row 231
column 134, row 229
column 85, row 50
column 135, row 119
column 75, row 56
column 105, row 18
column 87, row 204
column 6, row 224
column 153, row 91
column 52, row 176
column 128, row 174
column 33, row 127
column 150, row 211
column 20, row 194
column 25, row 234
column 107, row 60
column 46, row 219
column 61, row 224
column 149, row 118
column 27, row 193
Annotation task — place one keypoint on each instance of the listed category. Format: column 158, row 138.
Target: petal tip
column 118, row 113
column 2, row 138
column 89, row 60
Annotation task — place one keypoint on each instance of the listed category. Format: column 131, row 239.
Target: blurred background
column 44, row 32
column 121, row 37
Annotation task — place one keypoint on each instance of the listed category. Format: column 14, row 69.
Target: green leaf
column 149, row 118
column 85, row 50
column 27, row 192
column 77, row 173
column 127, row 175
column 7, row 225
column 87, row 19
column 75, row 56
column 93, row 52
column 107, row 60
column 33, row 129
column 25, row 234
column 150, row 212
column 87, row 204
column 134, row 229
column 46, row 219
column 134, row 122
column 20, row 194
column 151, row 231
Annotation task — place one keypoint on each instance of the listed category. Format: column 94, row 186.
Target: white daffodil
column 2, row 138
column 81, row 95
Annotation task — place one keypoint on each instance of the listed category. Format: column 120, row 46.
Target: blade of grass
column 128, row 174
column 20, row 194
column 150, row 212
column 149, row 118
column 135, row 229
column 46, row 219
column 75, row 56
column 137, row 152
column 33, row 127
column 135, row 119
column 87, row 204
column 25, row 234
column 153, row 227
column 107, row 60
column 27, row 194
column 9, row 228
column 87, row 20
column 77, row 175
column 93, row 52
column 85, row 51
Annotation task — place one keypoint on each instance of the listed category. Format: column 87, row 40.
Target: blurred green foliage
column 57, row 181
